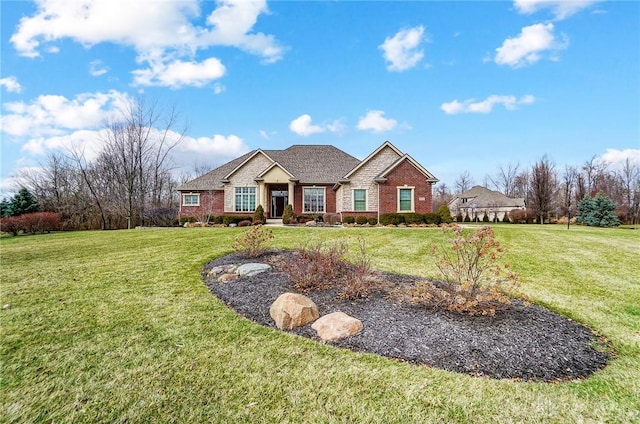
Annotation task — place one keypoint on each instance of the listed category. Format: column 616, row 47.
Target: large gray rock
column 247, row 270
column 291, row 310
column 337, row 325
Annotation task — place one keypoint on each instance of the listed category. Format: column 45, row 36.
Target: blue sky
column 460, row 86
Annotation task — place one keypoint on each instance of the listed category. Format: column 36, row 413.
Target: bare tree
column 504, row 180
column 442, row 196
column 463, row 182
column 568, row 183
column 543, row 188
column 629, row 178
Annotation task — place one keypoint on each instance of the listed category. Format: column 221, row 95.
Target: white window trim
column 184, row 197
column 413, row 198
column 235, row 205
column 324, row 199
column 366, row 199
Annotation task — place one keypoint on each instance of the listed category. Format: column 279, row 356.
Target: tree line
column 551, row 192
column 128, row 183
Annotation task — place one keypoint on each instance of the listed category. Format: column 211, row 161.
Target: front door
column 279, row 199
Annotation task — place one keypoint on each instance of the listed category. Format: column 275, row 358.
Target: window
column 245, row 199
column 359, row 199
column 313, row 199
column 190, row 200
column 405, row 199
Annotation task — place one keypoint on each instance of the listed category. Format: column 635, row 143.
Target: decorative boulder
column 225, row 278
column 291, row 310
column 337, row 325
column 248, row 270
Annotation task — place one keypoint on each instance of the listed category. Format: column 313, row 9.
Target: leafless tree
column 504, row 180
column 463, row 182
column 568, row 183
column 543, row 188
column 629, row 178
column 442, row 196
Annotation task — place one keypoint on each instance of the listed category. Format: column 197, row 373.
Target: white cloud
column 402, row 51
column 177, row 74
column 11, row 84
column 97, row 68
column 560, row 8
column 486, row 106
column 228, row 146
column 302, row 126
column 218, row 88
column 616, row 158
column 161, row 32
column 87, row 142
column 375, row 121
column 55, row 115
column 528, row 46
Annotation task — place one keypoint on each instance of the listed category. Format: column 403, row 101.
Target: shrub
column 235, row 219
column 445, row 214
column 391, row 219
column 360, row 280
column 331, row 218
column 244, row 223
column 316, row 265
column 40, row 222
column 12, row 225
column 253, row 242
column 467, row 218
column 505, row 218
column 373, row 220
column 349, row 219
column 362, row 220
column 485, row 217
column 413, row 218
column 459, row 217
column 287, row 215
column 432, row 218
column 189, row 219
column 477, row 284
column 258, row 215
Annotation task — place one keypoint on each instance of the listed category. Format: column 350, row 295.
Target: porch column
column 291, row 186
column 262, row 195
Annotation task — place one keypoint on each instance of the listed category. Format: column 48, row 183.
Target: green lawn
column 118, row 327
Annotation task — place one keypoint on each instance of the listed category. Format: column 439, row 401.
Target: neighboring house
column 315, row 179
column 478, row 200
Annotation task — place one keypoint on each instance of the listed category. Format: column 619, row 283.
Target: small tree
column 445, row 214
column 258, row 215
column 597, row 211
column 485, row 217
column 23, row 202
column 287, row 215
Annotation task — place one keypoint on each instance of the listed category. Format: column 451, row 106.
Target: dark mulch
column 523, row 342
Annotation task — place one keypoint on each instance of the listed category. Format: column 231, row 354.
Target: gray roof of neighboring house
column 482, row 197
column 309, row 164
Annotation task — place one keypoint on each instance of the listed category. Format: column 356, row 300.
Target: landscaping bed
column 522, row 342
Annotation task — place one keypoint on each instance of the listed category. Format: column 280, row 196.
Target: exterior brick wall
column 330, row 198
column 405, row 174
column 211, row 202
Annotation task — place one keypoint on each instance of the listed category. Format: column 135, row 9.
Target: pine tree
column 24, row 202
column 597, row 211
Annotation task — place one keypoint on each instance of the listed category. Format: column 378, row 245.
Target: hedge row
column 410, row 218
column 36, row 222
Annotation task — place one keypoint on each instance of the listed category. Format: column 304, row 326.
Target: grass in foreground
column 118, row 327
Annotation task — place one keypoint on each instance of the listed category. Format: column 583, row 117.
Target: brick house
column 314, row 179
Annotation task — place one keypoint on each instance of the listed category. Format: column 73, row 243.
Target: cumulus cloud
column 230, row 145
column 528, row 46
column 87, row 142
column 375, row 121
column 11, row 84
column 402, row 51
column 163, row 34
column 486, row 106
column 616, row 158
column 561, row 9
column 50, row 115
column 302, row 126
column 178, row 73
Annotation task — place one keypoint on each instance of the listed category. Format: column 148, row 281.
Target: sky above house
column 458, row 85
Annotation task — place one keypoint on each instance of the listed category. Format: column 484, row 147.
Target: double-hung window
column 191, row 199
column 245, row 199
column 405, row 199
column 359, row 199
column 314, row 199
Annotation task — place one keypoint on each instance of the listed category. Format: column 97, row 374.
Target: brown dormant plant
column 253, row 242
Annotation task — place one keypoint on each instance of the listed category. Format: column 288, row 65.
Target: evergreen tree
column 258, row 215
column 23, row 202
column 5, row 208
column 597, row 211
column 445, row 214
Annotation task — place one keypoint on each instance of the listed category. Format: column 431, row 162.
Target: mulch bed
column 522, row 342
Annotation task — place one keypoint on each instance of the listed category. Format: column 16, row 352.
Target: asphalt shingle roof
column 482, row 197
column 309, row 164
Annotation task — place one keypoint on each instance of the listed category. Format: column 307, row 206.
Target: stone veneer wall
column 244, row 177
column 363, row 178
